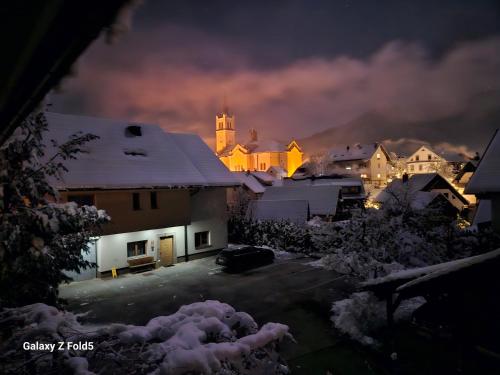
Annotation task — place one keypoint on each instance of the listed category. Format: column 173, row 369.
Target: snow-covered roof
column 350, row 181
column 353, row 152
column 322, row 199
column 266, row 145
column 449, row 268
column 415, row 187
column 250, row 182
column 422, row 199
column 265, row 177
column 120, row 160
column 410, row 277
column 486, row 179
column 483, row 212
column 295, row 211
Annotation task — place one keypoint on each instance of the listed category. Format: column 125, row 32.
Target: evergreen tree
column 39, row 236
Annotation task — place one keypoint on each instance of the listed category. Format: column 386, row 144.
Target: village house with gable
column 165, row 192
column 371, row 162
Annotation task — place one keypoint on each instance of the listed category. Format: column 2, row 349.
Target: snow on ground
column 207, row 337
column 362, row 314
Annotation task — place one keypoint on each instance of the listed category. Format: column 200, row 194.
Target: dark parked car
column 244, row 257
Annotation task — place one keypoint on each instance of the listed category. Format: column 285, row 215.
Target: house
column 239, row 196
column 462, row 178
column 292, row 210
column 424, row 160
column 485, row 182
column 413, row 186
column 371, row 162
column 165, row 192
column 254, row 155
column 321, row 200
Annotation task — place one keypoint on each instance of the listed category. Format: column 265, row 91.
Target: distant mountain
column 472, row 130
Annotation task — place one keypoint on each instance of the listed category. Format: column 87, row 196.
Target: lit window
column 136, row 248
column 378, row 156
column 201, row 239
column 348, row 168
column 378, row 175
column 136, row 201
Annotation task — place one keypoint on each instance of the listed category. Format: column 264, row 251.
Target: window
column 412, row 168
column 82, row 200
column 201, row 239
column 262, row 166
column 378, row 156
column 420, row 167
column 429, row 157
column 153, row 197
column 417, row 158
column 378, row 175
column 137, row 248
column 136, row 201
column 378, row 166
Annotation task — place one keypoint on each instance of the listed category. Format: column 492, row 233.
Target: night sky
column 294, row 68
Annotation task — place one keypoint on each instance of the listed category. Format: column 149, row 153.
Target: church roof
column 266, row 146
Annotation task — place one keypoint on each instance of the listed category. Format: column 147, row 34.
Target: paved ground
column 288, row 291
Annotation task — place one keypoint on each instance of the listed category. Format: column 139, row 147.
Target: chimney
column 405, row 177
column 253, row 135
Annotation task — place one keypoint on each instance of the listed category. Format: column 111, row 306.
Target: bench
column 137, row 263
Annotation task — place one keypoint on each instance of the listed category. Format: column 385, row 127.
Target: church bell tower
column 224, row 130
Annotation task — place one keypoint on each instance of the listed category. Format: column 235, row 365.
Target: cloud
column 181, row 85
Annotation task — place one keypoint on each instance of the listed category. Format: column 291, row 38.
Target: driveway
column 288, row 291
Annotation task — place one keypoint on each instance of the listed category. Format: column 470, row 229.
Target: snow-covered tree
column 39, row 236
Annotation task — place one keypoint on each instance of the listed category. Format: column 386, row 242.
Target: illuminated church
column 255, row 155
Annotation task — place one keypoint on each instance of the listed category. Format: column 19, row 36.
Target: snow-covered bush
column 202, row 338
column 374, row 243
column 280, row 235
column 39, row 237
column 362, row 314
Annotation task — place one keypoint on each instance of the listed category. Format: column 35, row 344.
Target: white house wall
column 208, row 213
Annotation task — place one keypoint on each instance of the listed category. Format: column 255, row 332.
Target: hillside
column 471, row 130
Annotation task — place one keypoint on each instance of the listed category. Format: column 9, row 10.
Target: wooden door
column 166, row 251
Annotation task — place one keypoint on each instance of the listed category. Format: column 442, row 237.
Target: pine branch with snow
column 39, row 236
